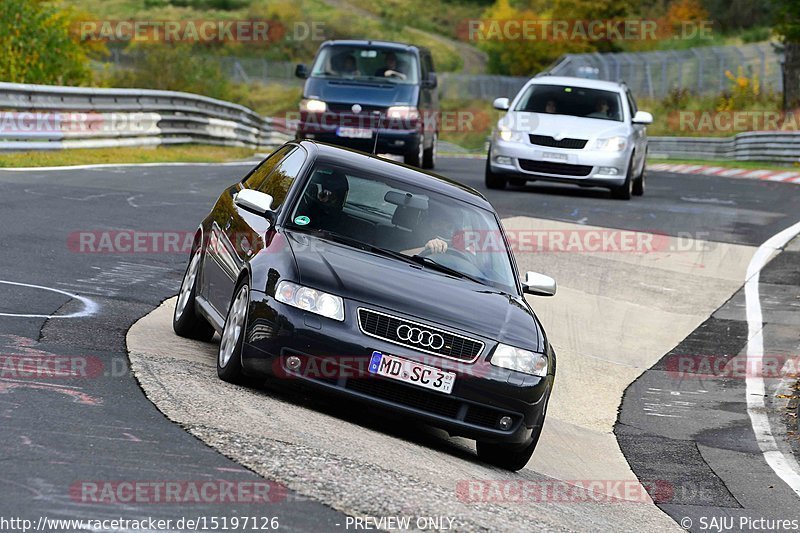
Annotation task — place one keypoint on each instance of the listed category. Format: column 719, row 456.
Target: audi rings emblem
column 421, row 337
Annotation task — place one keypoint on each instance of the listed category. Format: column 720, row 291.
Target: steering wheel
column 460, row 254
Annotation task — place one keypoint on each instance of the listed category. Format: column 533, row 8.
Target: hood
column 366, row 93
column 561, row 126
column 393, row 286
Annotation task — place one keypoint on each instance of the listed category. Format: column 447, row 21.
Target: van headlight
column 525, row 361
column 509, row 135
column 611, row 144
column 311, row 300
column 402, row 112
column 311, row 105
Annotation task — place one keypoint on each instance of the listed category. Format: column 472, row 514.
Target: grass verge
column 158, row 154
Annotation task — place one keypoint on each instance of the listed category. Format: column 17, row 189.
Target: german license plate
column 411, row 372
column 554, row 156
column 354, row 133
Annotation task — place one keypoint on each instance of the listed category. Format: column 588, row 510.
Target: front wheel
column 429, row 154
column 493, row 180
column 625, row 191
column 414, row 158
column 229, row 358
column 638, row 184
column 512, row 456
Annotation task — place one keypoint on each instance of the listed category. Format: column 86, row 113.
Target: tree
column 788, row 26
column 38, row 44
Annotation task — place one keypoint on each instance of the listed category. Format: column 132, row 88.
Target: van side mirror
column 539, row 284
column 255, row 202
column 301, row 71
column 432, row 80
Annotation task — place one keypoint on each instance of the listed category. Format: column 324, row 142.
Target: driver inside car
column 323, row 200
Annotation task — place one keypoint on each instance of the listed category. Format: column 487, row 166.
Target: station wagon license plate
column 554, row 156
column 354, row 133
column 411, row 372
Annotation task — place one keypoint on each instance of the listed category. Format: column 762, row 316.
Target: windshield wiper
column 427, row 261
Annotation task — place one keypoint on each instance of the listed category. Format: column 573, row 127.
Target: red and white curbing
column 768, row 175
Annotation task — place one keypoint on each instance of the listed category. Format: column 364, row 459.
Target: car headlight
column 510, row 135
column 525, row 361
column 313, row 106
column 611, row 144
column 311, row 300
column 403, row 112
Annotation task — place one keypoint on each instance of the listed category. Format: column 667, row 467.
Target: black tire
column 625, row 191
column 511, row 456
column 186, row 321
column 429, row 154
column 414, row 158
column 639, row 183
column 229, row 364
column 493, row 181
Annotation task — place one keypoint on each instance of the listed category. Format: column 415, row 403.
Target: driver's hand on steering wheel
column 436, row 245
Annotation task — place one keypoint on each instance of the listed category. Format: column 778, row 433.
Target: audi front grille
column 419, row 337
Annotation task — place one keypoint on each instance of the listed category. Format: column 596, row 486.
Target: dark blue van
column 372, row 96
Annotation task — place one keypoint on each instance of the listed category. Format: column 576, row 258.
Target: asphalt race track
column 620, row 412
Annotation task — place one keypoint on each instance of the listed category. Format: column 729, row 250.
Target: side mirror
column 539, row 284
column 301, row 71
column 255, row 202
column 501, row 103
column 642, row 117
column 432, row 80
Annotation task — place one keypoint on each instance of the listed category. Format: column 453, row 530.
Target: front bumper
column 335, row 356
column 401, row 139
column 582, row 167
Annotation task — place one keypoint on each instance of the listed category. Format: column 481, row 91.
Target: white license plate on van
column 354, row 133
column 412, row 372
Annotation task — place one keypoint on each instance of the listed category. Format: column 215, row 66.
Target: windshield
column 378, row 213
column 572, row 101
column 367, row 63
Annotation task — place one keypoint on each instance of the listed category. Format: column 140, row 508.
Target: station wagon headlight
column 510, row 135
column 313, row 106
column 311, row 300
column 611, row 144
column 525, row 361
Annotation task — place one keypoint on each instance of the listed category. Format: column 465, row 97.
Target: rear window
column 571, row 101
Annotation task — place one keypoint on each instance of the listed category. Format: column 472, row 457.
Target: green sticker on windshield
column 302, row 220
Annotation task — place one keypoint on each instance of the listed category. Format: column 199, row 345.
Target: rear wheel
column 186, row 322
column 229, row 358
column 429, row 155
column 414, row 158
column 493, row 180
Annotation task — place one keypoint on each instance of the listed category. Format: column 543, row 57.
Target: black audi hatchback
column 375, row 280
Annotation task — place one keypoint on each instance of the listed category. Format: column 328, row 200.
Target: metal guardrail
column 765, row 146
column 44, row 117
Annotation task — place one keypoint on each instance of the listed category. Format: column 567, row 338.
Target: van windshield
column 366, row 63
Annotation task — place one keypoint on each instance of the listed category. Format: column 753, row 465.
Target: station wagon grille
column 545, row 140
column 386, row 327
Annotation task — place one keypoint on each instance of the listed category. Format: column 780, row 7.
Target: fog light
column 502, row 160
column 293, row 362
column 505, row 423
column 611, row 171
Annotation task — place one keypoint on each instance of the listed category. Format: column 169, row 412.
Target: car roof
column 381, row 44
column 412, row 176
column 577, row 82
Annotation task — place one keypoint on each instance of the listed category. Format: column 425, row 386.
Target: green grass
column 160, row 154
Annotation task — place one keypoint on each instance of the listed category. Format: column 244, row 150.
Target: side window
column 257, row 177
column 631, row 103
column 278, row 182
